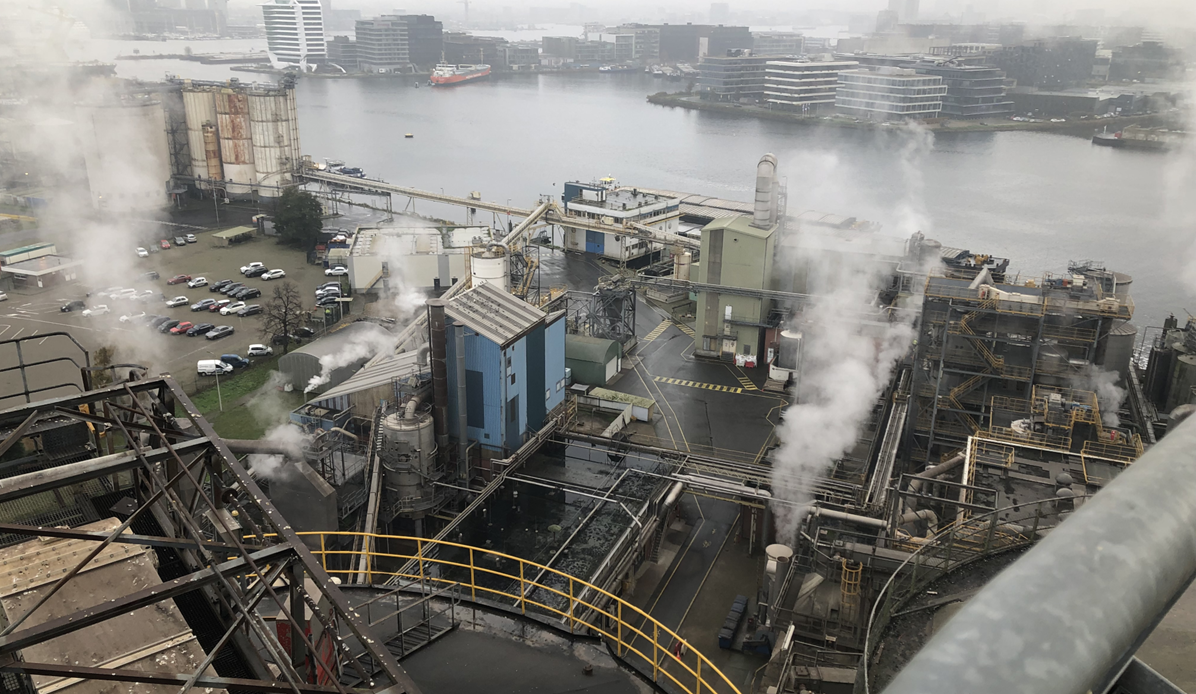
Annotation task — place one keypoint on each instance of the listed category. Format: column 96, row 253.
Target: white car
column 124, row 294
column 190, row 238
column 3, row 296
column 274, row 274
column 104, row 294
column 146, row 295
column 96, row 310
column 198, row 282
column 247, row 268
column 142, row 253
column 234, row 307
column 260, row 350
column 177, row 301
column 132, row 317
column 337, row 271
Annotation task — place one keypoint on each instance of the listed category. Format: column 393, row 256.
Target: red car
column 179, row 279
column 164, row 245
column 219, row 305
column 182, row 328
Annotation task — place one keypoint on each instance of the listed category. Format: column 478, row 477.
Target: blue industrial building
column 514, row 365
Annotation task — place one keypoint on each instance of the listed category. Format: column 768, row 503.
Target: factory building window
column 548, row 393
column 475, row 410
column 513, row 409
column 512, row 379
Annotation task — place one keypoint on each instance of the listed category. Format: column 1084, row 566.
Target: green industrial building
column 591, row 360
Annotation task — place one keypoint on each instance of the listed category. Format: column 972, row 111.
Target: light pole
column 219, row 399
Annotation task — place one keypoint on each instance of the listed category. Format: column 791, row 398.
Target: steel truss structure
column 237, row 552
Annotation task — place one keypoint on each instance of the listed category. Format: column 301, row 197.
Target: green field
column 251, row 403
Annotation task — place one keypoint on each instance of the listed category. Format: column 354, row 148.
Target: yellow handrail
column 624, row 634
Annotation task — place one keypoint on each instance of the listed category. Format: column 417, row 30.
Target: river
column 1039, row 199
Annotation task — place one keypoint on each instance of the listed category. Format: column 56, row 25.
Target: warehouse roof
column 590, row 349
column 494, row 314
column 337, row 340
column 235, row 232
column 387, row 368
column 740, row 224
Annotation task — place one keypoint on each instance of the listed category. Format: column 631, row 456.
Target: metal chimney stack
column 437, row 341
column 764, row 212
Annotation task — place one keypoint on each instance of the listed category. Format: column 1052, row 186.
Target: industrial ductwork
column 439, row 348
column 764, row 214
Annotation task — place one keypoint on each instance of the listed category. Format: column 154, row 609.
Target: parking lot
column 25, row 315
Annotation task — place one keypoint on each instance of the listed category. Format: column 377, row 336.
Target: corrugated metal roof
column 335, row 341
column 387, row 368
column 494, row 314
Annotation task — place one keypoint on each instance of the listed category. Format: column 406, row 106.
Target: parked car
column 234, row 360
column 168, row 325
column 274, row 274
column 178, row 279
column 232, row 308
column 328, row 291
column 198, row 282
column 219, row 305
column 142, row 253
column 230, row 288
column 164, row 245
column 151, row 275
column 129, row 293
column 180, row 241
column 327, row 300
column 256, row 271
column 219, row 285
column 129, row 318
column 257, row 350
column 177, row 301
column 149, row 318
column 146, row 295
column 212, row 367
column 219, row 332
column 158, row 321
column 251, row 309
column 200, row 329
column 334, row 283
column 202, row 305
column 304, row 332
column 249, row 293
column 250, row 266
column 182, row 328
column 96, row 310
column 336, row 271
column 280, row 339
column 190, row 238
column 105, row 293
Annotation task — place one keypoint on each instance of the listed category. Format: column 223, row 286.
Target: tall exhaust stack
column 764, row 214
column 439, row 351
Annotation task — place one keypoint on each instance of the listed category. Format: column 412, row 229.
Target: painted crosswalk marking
column 747, row 383
column 685, row 329
column 656, row 332
column 696, row 384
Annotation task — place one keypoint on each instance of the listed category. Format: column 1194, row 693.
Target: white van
column 212, row 367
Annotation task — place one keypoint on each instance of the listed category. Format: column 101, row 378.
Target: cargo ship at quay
column 446, row 75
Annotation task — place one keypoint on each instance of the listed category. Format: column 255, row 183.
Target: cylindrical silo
column 1121, row 284
column 1119, row 350
column 408, row 456
column 125, row 153
column 1183, row 380
column 200, row 109
column 681, row 264
column 270, row 119
column 491, row 264
column 211, row 150
column 236, row 142
column 789, row 350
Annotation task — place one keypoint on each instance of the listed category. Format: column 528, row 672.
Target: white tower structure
column 295, row 33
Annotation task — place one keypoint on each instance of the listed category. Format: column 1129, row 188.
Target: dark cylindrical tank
column 1119, row 350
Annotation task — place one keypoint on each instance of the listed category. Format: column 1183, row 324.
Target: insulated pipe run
column 849, row 517
column 923, row 514
column 462, row 412
column 439, row 348
column 939, row 470
column 412, row 404
column 764, row 211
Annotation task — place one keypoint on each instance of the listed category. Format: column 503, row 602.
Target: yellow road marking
column 685, row 329
column 696, row 384
column 656, row 332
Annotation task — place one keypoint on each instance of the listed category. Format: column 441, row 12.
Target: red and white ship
column 445, row 75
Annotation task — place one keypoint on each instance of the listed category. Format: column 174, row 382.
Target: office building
column 1052, row 63
column 382, row 44
column 732, row 77
column 466, row 49
column 887, row 93
column 342, row 52
column 607, row 200
column 973, row 91
column 803, row 87
column 425, row 39
column 647, row 41
column 689, row 42
column 777, row 43
column 294, row 34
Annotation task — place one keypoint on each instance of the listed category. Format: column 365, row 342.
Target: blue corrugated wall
column 514, row 430
column 554, row 363
column 484, row 356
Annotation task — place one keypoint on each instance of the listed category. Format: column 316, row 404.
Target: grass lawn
column 237, row 385
column 252, row 404
column 245, row 420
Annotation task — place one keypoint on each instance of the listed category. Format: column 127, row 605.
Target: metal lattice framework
column 215, row 517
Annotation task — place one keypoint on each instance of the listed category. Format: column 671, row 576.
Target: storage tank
column 491, row 264
column 1183, row 380
column 125, row 153
column 274, row 133
column 1121, row 284
column 408, row 455
column 1119, row 350
column 199, row 108
column 236, row 142
column 681, row 266
column 211, row 150
column 775, row 567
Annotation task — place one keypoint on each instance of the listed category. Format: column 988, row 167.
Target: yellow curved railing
column 588, row 606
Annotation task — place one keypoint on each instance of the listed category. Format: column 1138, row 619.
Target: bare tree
column 282, row 314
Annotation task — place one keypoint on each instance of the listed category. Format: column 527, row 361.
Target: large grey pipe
column 438, row 342
column 1069, row 615
column 462, row 412
column 939, row 470
column 764, row 210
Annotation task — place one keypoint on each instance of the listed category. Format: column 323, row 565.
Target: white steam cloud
column 1109, row 395
column 275, row 466
column 1180, row 200
column 364, row 345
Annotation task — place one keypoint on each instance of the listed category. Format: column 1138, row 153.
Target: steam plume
column 364, row 345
